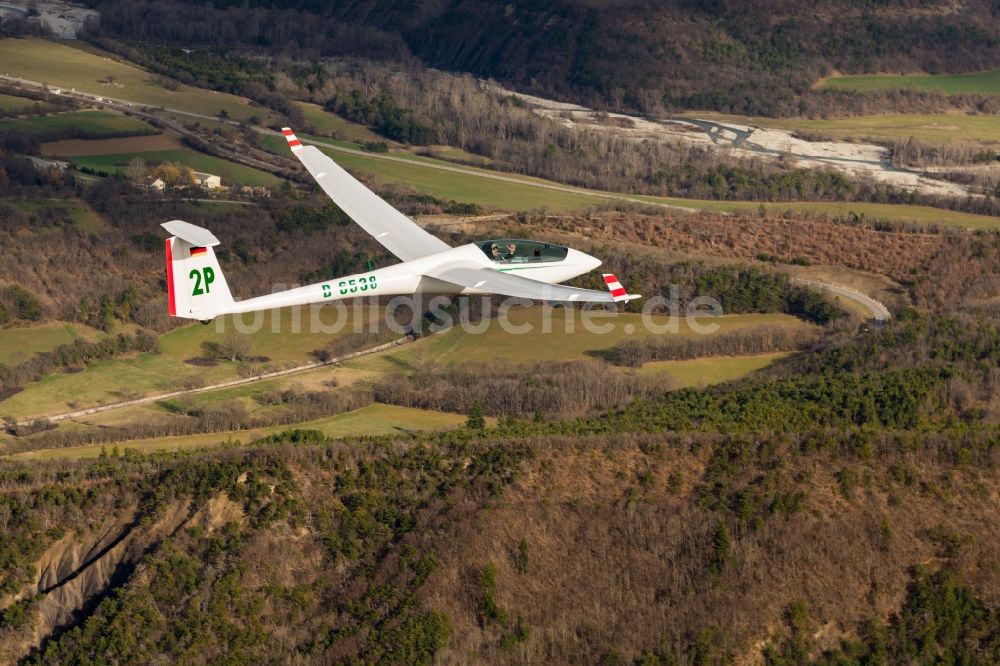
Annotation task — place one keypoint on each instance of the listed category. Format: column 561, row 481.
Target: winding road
column 880, row 314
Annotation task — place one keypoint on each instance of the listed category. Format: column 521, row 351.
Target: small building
column 255, row 191
column 158, row 185
column 208, row 181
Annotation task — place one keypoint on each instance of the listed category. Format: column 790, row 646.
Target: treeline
column 555, row 389
column 835, row 103
column 634, row 353
column 41, row 106
column 15, row 25
column 919, row 153
column 959, row 341
column 738, row 288
column 284, row 408
column 17, row 304
column 913, row 373
column 383, row 114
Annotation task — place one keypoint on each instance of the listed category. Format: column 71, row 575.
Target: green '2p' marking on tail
column 205, row 276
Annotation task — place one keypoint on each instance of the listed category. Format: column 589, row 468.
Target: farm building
column 208, row 181
column 255, row 191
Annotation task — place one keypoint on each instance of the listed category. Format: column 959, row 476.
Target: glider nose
column 583, row 260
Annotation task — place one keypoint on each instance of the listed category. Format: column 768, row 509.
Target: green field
column 95, row 122
column 229, row 171
column 375, row 419
column 987, row 82
column 85, row 68
column 558, row 344
column 129, row 377
column 934, row 128
column 273, row 334
column 12, row 103
column 713, row 370
column 20, row 344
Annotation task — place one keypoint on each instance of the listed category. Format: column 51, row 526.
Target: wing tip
column 293, row 141
column 618, row 292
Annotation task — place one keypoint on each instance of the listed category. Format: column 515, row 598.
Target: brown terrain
column 131, row 144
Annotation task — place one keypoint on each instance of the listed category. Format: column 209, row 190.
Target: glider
column 197, row 289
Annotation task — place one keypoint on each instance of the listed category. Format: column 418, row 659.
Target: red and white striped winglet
column 615, row 287
column 293, row 141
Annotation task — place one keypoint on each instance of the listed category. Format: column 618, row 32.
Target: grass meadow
column 987, row 82
column 87, row 69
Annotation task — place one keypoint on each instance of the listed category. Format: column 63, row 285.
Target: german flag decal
column 195, row 251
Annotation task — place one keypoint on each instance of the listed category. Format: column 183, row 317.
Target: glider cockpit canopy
column 520, row 251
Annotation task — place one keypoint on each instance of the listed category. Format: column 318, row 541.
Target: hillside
column 786, row 453
column 745, row 57
column 527, row 542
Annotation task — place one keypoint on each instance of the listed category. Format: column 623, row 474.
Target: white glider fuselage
column 411, row 277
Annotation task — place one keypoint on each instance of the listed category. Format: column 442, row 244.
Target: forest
column 756, row 58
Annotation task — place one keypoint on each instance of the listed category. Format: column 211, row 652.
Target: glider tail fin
column 196, row 287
